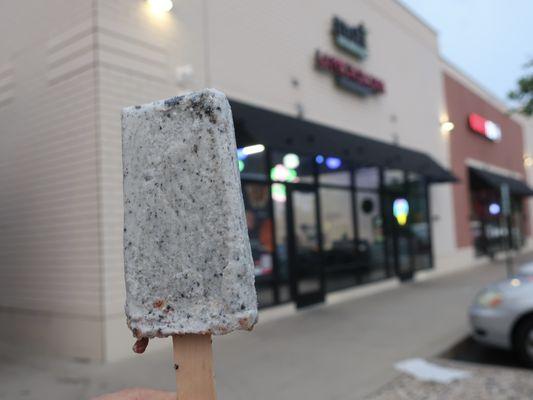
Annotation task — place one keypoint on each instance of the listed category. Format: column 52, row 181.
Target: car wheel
column 524, row 341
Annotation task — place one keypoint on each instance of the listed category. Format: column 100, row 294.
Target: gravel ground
column 498, row 383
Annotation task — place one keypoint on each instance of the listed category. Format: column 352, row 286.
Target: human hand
column 138, row 394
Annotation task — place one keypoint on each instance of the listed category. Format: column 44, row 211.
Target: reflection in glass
column 280, row 222
column 252, row 162
column 265, row 294
column 366, row 178
column 394, row 179
column 415, row 183
column 338, row 238
column 333, row 173
column 256, row 203
column 419, row 222
column 370, row 246
column 306, row 247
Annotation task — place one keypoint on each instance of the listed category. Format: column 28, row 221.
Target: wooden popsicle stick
column 193, row 361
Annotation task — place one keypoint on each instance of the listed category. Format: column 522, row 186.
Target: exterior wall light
column 446, row 127
column 528, row 160
column 160, row 6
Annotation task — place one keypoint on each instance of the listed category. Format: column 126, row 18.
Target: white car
column 502, row 314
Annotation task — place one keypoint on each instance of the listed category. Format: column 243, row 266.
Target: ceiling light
column 256, row 148
column 333, row 162
column 291, row 161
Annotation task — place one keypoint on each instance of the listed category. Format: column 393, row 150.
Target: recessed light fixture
column 160, row 6
column 256, row 148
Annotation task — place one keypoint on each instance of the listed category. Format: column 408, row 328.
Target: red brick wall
column 466, row 144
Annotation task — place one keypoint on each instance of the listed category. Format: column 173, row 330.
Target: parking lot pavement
column 485, row 383
column 338, row 351
column 468, row 350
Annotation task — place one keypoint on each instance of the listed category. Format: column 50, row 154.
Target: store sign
column 484, row 127
column 350, row 38
column 348, row 76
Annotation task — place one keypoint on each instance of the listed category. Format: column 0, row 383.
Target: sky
column 489, row 40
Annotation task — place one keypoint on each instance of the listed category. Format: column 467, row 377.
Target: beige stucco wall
column 50, row 281
column 137, row 54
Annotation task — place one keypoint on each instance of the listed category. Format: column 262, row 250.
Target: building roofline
column 419, row 18
column 457, row 73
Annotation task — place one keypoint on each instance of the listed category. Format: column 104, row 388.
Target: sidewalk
column 340, row 351
column 484, row 383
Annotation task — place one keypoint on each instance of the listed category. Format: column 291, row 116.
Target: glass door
column 400, row 238
column 307, row 278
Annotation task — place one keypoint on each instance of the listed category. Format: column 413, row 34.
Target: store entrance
column 307, row 277
column 400, row 237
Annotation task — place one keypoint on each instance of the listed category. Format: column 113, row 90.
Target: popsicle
column 188, row 263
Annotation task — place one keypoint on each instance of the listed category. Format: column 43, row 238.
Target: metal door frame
column 394, row 235
column 303, row 300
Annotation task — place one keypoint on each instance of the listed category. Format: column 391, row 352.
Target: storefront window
column 279, row 197
column 370, row 254
column 489, row 229
column 394, row 179
column 517, row 222
column 489, row 236
column 419, row 228
column 338, row 238
column 252, row 162
column 333, row 171
column 367, row 178
column 415, row 183
column 256, row 201
column 259, row 222
column 292, row 168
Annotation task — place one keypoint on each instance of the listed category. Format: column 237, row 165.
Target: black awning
column 516, row 186
column 255, row 125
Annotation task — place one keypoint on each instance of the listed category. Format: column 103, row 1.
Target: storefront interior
column 327, row 210
column 492, row 228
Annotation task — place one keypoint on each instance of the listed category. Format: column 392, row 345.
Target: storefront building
column 345, row 173
column 327, row 209
column 487, row 155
